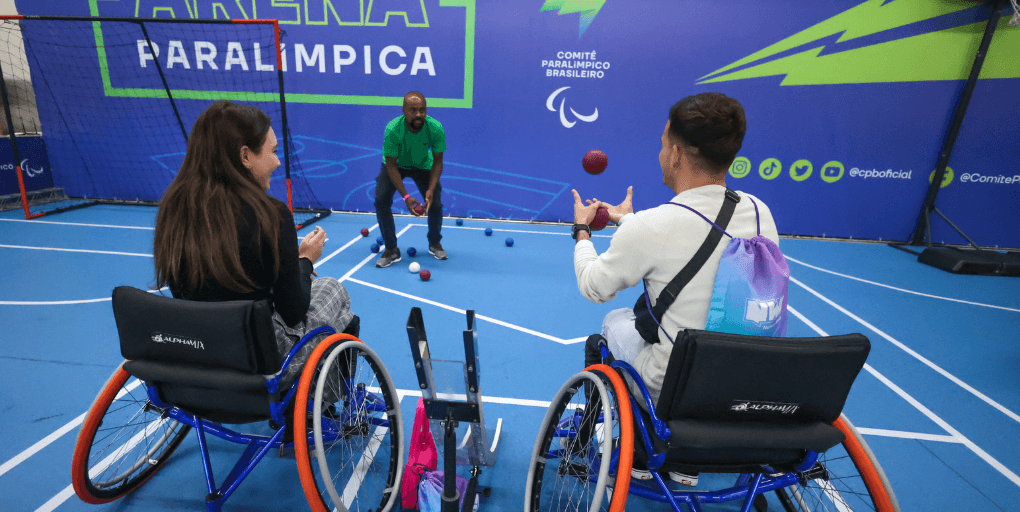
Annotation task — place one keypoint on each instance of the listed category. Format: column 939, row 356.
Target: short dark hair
column 712, row 122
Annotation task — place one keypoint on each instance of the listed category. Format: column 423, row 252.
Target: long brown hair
column 200, row 210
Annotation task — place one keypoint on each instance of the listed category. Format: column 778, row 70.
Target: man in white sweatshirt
column 699, row 143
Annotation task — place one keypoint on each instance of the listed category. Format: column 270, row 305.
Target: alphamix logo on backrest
column 159, row 337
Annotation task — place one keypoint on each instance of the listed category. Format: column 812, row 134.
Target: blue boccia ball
column 460, row 222
column 488, row 231
column 411, row 251
column 380, row 241
column 375, row 248
column 509, row 242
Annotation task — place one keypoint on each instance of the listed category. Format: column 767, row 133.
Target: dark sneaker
column 389, row 257
column 437, row 250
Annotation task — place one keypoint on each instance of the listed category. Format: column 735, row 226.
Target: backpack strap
column 670, row 292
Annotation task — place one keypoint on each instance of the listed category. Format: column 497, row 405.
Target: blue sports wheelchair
column 757, row 420
column 200, row 365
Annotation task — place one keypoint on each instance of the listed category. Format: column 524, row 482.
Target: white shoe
column 640, row 474
column 683, row 479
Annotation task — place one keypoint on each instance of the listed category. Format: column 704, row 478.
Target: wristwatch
column 578, row 228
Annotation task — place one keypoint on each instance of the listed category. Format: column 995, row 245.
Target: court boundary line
column 462, row 311
column 904, row 290
column 593, row 235
column 981, row 453
column 79, row 224
column 61, row 249
column 938, row 369
column 63, row 302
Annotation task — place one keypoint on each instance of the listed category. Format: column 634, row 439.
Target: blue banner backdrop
column 35, row 167
column 848, row 101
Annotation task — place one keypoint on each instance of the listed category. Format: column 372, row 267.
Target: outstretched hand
column 617, row 212
column 627, row 206
column 583, row 214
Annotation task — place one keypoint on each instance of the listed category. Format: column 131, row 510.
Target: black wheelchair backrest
column 237, row 334
column 729, row 377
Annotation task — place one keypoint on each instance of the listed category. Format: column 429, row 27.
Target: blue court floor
column 938, row 400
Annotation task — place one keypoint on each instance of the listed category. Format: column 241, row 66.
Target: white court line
column 78, row 224
column 901, row 289
column 512, row 230
column 62, row 302
column 908, row 435
column 68, row 491
column 75, row 250
column 1014, row 416
column 368, row 258
column 340, row 250
column 44, row 442
column 953, row 433
column 461, row 311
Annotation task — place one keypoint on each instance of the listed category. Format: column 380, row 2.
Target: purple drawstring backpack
column 750, row 292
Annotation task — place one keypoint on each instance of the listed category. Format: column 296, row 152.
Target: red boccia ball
column 419, row 209
column 364, row 231
column 425, row 275
column 600, row 220
column 594, row 161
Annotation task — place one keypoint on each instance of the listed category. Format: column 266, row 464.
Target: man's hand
column 428, row 200
column 411, row 202
column 583, row 214
column 627, row 206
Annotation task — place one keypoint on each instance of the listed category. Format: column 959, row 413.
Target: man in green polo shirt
column 413, row 148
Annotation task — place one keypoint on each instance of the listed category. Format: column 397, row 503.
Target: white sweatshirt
column 654, row 245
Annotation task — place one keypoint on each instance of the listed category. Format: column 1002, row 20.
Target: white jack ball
column 414, row 267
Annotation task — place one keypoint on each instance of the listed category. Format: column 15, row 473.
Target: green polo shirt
column 413, row 149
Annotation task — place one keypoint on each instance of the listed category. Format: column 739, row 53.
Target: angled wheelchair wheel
column 352, row 456
column 583, row 453
column 846, row 478
column 124, row 440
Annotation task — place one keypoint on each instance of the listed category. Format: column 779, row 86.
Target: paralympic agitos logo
column 879, row 41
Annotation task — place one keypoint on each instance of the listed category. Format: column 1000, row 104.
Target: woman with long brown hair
column 220, row 236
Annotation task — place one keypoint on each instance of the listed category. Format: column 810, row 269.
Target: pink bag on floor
column 423, row 457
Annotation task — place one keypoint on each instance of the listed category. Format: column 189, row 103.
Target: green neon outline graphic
column 804, row 175
column 770, row 161
column 747, row 167
column 832, row 179
column 386, row 20
column 327, row 5
column 900, row 60
column 947, row 178
column 466, row 101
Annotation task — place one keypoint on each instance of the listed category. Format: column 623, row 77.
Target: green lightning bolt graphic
column 942, row 55
column 588, row 9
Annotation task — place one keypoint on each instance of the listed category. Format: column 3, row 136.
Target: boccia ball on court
column 509, row 242
column 380, row 241
column 364, row 231
column 414, row 267
column 375, row 248
column 488, row 231
column 600, row 220
column 425, row 275
column 594, row 162
column 460, row 222
column 411, row 251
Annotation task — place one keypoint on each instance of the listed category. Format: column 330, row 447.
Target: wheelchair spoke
column 123, row 441
column 356, row 450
